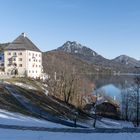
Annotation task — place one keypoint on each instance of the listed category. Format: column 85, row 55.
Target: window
column 36, row 55
column 14, row 59
column 29, row 59
column 15, row 64
column 39, row 55
column 36, row 65
column 29, row 71
column 9, row 53
column 29, row 53
column 14, row 53
column 39, row 61
column 20, row 59
column 20, row 53
column 20, row 65
column 32, row 71
column 33, row 65
column 36, row 71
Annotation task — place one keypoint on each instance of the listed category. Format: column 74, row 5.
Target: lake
column 123, row 90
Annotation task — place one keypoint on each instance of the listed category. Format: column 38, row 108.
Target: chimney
column 23, row 34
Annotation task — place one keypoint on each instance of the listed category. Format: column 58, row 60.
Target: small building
column 23, row 58
column 105, row 109
column 108, row 109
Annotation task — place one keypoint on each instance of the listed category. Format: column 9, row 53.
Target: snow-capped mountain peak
column 76, row 48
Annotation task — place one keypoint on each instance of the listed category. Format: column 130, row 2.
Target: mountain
column 54, row 59
column 76, row 48
column 126, row 60
column 86, row 54
column 83, row 53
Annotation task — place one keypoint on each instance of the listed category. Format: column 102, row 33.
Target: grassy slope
column 37, row 98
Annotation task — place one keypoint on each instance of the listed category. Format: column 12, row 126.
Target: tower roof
column 22, row 43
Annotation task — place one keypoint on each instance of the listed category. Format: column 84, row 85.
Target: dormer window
column 23, row 34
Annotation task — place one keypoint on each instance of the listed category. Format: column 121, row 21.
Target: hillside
column 30, row 97
column 88, row 55
column 127, row 61
column 83, row 53
column 52, row 59
column 3, row 45
column 20, row 104
column 12, row 118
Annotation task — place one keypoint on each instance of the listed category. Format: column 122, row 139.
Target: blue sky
column 110, row 27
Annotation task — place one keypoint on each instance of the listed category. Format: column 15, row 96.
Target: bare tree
column 66, row 83
column 95, row 114
column 137, row 89
column 130, row 102
column 125, row 104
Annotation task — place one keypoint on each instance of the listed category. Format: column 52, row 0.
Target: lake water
column 123, row 90
column 114, row 86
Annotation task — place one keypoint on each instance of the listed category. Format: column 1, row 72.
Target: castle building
column 23, row 58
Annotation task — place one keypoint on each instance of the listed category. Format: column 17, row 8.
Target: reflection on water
column 112, row 91
column 123, row 89
column 113, row 85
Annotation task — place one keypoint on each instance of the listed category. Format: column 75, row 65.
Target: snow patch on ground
column 24, row 85
column 10, row 118
column 46, row 92
column 110, row 123
column 37, row 135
